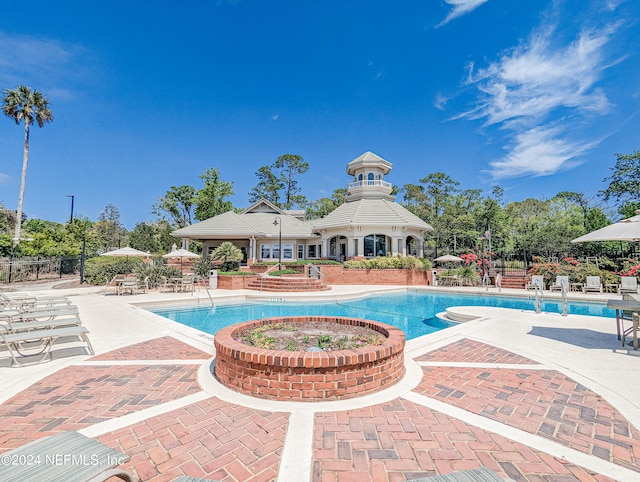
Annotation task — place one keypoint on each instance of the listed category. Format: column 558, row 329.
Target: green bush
column 236, row 273
column 386, row 262
column 155, row 271
column 282, row 272
column 102, row 269
column 298, row 262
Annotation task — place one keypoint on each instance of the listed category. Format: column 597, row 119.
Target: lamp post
column 72, row 198
column 278, row 222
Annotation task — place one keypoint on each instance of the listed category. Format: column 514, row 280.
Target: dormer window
column 360, row 177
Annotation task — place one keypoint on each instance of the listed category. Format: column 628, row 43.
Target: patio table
column 620, row 306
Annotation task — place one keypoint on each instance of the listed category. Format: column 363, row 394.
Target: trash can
column 434, row 277
column 213, row 279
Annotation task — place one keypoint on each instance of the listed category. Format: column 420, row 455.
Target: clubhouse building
column 368, row 224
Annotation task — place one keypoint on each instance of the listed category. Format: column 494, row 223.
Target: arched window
column 370, row 179
column 375, row 245
column 360, row 177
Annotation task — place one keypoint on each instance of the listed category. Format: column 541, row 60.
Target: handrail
column 540, row 299
column 206, row 287
column 266, row 273
column 563, row 289
column 316, row 270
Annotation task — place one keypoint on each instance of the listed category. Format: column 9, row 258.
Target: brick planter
column 309, row 376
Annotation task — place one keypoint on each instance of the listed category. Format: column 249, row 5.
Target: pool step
column 282, row 283
column 514, row 282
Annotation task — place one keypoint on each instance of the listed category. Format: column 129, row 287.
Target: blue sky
column 535, row 96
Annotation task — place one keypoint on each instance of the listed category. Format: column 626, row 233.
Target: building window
column 265, row 251
column 311, row 251
column 332, row 247
column 287, row 251
column 375, row 245
column 370, row 179
column 301, row 251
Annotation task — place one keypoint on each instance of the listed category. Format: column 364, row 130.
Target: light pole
column 278, row 222
column 72, row 198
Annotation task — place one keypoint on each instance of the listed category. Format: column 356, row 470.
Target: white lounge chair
column 594, row 283
column 628, row 284
column 536, row 280
column 52, row 452
column 481, row 474
column 557, row 285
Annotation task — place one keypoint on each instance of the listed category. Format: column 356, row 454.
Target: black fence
column 19, row 270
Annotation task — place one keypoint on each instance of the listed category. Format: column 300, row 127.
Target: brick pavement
column 471, row 351
column 79, row 396
column 212, row 439
column 163, row 348
column 387, row 441
column 399, row 440
column 541, row 402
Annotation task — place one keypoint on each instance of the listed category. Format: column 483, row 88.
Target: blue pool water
column 413, row 312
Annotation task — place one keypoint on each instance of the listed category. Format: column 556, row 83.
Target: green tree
column 624, row 182
column 291, row 166
column 323, row 206
column 109, row 231
column 176, row 206
column 279, row 181
column 210, row 200
column 229, row 254
column 268, row 187
column 29, row 106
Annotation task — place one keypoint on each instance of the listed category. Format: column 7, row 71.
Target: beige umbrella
column 448, row 258
column 126, row 252
column 180, row 253
column 625, row 230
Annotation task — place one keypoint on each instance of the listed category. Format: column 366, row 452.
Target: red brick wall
column 309, row 376
column 234, row 282
column 337, row 275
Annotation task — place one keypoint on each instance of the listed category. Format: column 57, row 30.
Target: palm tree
column 229, row 254
column 29, row 106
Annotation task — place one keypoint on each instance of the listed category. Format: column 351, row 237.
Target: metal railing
column 17, row 270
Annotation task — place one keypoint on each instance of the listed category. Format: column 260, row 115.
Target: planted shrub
column 385, row 262
column 102, row 269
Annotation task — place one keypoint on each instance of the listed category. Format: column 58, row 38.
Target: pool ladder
column 563, row 289
column 539, row 299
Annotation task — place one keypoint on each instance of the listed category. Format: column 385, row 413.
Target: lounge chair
column 536, row 280
column 129, row 283
column 68, row 456
column 628, row 284
column 188, row 283
column 557, row 285
column 594, row 283
column 481, row 474
column 186, row 478
column 29, row 336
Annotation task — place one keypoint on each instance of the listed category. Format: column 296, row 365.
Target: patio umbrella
column 448, row 258
column 180, row 253
column 126, row 252
column 625, row 230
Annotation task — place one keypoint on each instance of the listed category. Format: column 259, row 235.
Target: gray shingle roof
column 231, row 224
column 379, row 212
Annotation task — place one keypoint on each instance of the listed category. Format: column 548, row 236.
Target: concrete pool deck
column 532, row 397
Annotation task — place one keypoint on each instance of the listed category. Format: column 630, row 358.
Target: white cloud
column 440, row 101
column 275, row 117
column 4, row 178
column 461, row 7
column 44, row 64
column 527, row 88
column 540, row 151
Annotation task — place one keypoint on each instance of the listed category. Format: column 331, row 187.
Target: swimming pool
column 413, row 311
